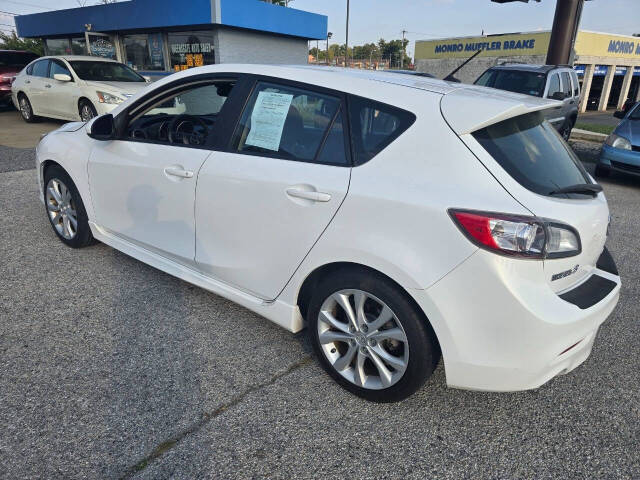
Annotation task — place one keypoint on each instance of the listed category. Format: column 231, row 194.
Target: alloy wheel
column 362, row 339
column 86, row 113
column 25, row 108
column 61, row 209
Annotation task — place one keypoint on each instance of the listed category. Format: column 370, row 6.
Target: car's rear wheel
column 26, row 110
column 370, row 337
column 65, row 209
column 566, row 130
column 87, row 110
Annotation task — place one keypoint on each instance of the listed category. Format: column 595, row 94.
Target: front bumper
column 626, row 161
column 502, row 328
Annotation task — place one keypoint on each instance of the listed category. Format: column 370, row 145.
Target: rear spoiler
column 469, row 109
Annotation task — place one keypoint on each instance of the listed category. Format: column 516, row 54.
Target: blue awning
column 157, row 14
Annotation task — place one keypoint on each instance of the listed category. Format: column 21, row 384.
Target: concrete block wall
column 442, row 67
column 243, row 46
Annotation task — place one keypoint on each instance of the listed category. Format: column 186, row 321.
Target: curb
column 578, row 134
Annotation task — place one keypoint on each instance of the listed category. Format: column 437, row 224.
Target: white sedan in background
column 73, row 87
column 400, row 219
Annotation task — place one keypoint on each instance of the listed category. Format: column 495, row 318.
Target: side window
column 184, row 118
column 30, row 69
column 40, row 69
column 576, row 84
column 554, row 85
column 291, row 123
column 374, row 126
column 566, row 84
column 58, row 67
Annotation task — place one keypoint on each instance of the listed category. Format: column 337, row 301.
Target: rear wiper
column 592, row 189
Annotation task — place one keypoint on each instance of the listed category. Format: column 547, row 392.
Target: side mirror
column 103, row 128
column 558, row 96
column 619, row 114
column 62, row 77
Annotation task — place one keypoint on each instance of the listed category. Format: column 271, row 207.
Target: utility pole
column 329, row 35
column 402, row 59
column 565, row 29
column 346, row 49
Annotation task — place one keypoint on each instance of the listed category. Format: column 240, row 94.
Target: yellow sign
column 491, row 46
column 592, row 44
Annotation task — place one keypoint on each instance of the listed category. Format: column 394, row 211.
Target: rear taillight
column 517, row 235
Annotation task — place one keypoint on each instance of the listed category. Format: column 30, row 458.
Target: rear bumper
column 502, row 329
column 626, row 161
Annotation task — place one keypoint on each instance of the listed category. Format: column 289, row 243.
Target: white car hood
column 129, row 88
column 469, row 109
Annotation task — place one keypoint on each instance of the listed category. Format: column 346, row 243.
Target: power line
column 29, row 4
column 9, row 13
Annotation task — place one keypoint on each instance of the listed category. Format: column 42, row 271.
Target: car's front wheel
column 602, row 171
column 87, row 110
column 370, row 337
column 26, row 110
column 65, row 209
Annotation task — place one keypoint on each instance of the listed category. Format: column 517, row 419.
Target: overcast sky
column 424, row 19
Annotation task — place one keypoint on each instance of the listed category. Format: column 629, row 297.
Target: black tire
column 602, row 171
column 424, row 351
column 85, row 108
column 83, row 236
column 26, row 110
column 566, row 130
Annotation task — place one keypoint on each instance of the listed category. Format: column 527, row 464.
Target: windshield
column 16, row 59
column 635, row 114
column 533, row 153
column 529, row 83
column 105, row 72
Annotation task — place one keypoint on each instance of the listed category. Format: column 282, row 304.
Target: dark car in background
column 11, row 63
column 557, row 82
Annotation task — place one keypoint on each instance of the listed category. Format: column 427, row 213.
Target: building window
column 191, row 49
column 144, row 52
column 58, row 46
column 101, row 45
column 79, row 46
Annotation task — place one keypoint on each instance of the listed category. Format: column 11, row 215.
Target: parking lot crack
column 167, row 445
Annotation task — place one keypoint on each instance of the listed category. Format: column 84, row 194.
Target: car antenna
column 451, row 78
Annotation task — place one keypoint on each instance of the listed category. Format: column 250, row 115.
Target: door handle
column 27, row 81
column 47, row 85
column 309, row 195
column 178, row 172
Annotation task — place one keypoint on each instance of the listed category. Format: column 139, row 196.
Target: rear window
column 16, row 59
column 533, row 153
column 374, row 126
column 528, row 83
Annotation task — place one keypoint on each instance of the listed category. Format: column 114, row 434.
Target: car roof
column 528, row 67
column 17, row 51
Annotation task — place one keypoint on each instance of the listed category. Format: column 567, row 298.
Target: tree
column 11, row 41
column 393, row 51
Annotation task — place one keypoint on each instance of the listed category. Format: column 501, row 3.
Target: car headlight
column 616, row 141
column 105, row 97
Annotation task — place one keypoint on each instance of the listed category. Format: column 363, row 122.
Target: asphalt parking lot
column 112, row 369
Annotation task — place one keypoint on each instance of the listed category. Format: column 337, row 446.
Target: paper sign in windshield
column 267, row 120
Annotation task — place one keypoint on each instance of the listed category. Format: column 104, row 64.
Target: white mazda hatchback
column 400, row 219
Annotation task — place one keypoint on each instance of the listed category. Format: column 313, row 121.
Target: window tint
column 576, row 84
column 566, row 84
column 40, row 69
column 533, row 153
column 374, row 126
column 58, row 67
column 333, row 151
column 286, row 122
column 554, row 85
column 185, row 118
column 529, row 83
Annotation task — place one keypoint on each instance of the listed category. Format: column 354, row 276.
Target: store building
column 607, row 65
column 158, row 37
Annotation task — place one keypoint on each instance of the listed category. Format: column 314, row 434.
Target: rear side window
column 554, row 85
column 58, row 67
column 566, row 84
column 41, row 68
column 293, row 124
column 576, row 84
column 518, row 81
column 374, row 126
column 16, row 59
column 533, row 153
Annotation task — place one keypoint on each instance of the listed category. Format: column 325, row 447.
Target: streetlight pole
column 346, row 49
column 329, row 35
column 402, row 59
